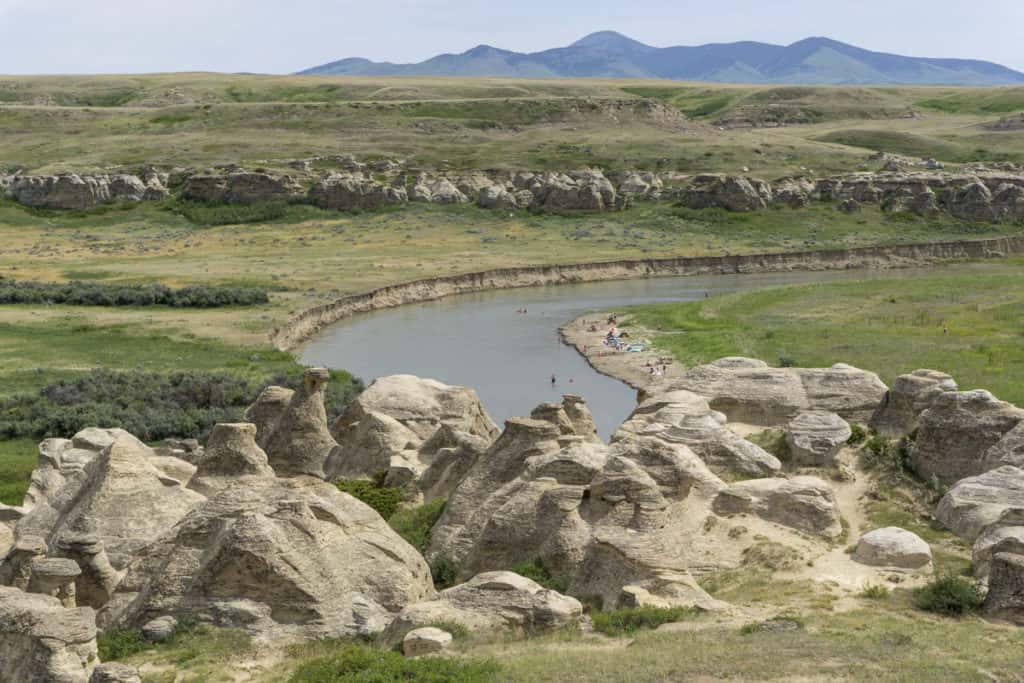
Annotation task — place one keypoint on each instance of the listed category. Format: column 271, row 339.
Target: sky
column 283, row 36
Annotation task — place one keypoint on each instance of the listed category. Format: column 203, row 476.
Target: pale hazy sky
column 282, row 36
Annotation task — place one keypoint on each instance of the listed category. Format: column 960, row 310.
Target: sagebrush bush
column 370, row 665
column 950, row 595
column 445, row 572
column 383, row 499
column 150, row 405
column 118, row 644
column 99, row 294
column 858, row 434
column 538, row 571
column 874, row 591
column 414, row 524
column 633, row 619
column 895, row 456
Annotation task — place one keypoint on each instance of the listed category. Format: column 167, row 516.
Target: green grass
column 537, row 571
column 363, row 664
column 949, row 149
column 961, row 319
column 18, row 458
column 630, row 620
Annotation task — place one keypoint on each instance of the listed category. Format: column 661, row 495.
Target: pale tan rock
column 975, row 504
column 815, row 437
column 301, row 442
column 55, row 577
column 803, row 503
column 996, row 539
column 231, row 457
column 426, row 641
column 893, row 547
column 910, row 395
column 42, row 642
column 1005, row 597
column 267, row 410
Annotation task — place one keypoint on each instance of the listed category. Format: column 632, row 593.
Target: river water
column 478, row 340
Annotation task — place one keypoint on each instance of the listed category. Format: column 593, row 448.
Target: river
column 479, row 340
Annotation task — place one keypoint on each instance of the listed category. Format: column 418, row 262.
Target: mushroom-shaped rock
column 493, row 601
column 425, row 641
column 910, row 395
column 301, row 442
column 803, row 503
column 115, row 672
column 267, row 410
column 815, row 437
column 992, row 499
column 231, row 453
column 957, row 432
column 997, row 539
column 893, row 547
column 1005, row 598
column 282, row 558
column 42, row 642
column 55, row 576
column 99, row 578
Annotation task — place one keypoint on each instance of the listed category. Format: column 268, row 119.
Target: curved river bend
column 478, row 340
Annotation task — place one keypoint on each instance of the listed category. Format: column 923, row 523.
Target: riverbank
column 305, row 325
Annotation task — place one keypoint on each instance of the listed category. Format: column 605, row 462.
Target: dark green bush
column 858, row 434
column 414, row 524
column 383, row 499
column 79, row 293
column 150, row 405
column 951, row 595
column 118, row 644
column 445, row 572
column 882, row 453
column 631, row 620
column 537, row 571
column 362, row 664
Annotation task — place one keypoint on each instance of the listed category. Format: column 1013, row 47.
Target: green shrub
column 363, row 664
column 537, row 571
column 79, row 293
column 882, row 453
column 858, row 434
column 950, row 595
column 446, row 572
column 875, row 592
column 630, row 620
column 150, row 405
column 414, row 524
column 383, row 499
column 119, row 644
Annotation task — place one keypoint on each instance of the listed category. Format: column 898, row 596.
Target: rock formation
column 1005, row 598
column 996, row 539
column 282, row 558
column 958, row 433
column 42, row 642
column 300, row 441
column 231, row 457
column 748, row 390
column 734, row 193
column 814, row 437
column 242, row 187
column 910, row 395
column 349, row 192
column 893, row 547
column 982, row 502
column 803, row 503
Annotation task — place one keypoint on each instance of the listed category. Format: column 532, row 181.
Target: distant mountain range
column 607, row 54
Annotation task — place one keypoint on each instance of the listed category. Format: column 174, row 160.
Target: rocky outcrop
column 748, row 390
column 300, row 442
column 893, row 547
column 115, row 672
column 585, row 190
column 958, row 432
column 986, row 501
column 492, row 601
column 73, row 191
column 231, row 457
column 282, row 558
column 349, row 192
column 733, row 193
column 1005, row 598
column 267, row 410
column 996, row 539
column 685, row 418
column 815, row 437
column 242, row 187
column 42, row 642
column 803, row 503
column 910, row 395
column 402, row 426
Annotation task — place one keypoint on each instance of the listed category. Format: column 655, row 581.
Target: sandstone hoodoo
column 815, row 437
column 910, row 395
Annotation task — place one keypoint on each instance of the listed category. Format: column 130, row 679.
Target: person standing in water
column 554, row 380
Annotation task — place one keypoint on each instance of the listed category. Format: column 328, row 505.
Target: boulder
column 281, row 558
column 971, row 202
column 66, row 191
column 957, row 432
column 55, row 577
column 301, row 442
column 492, row 601
column 425, row 641
column 497, row 197
column 976, row 504
column 115, row 672
column 42, row 642
column 1005, row 598
column 747, row 390
column 910, row 395
column 683, row 417
column 442, row 191
column 159, row 630
column 803, row 503
column 996, row 539
column 16, row 568
column 793, row 192
column 815, row 437
column 893, row 547
column 1008, row 202
column 1009, row 450
column 242, row 187
column 733, row 193
column 348, row 192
